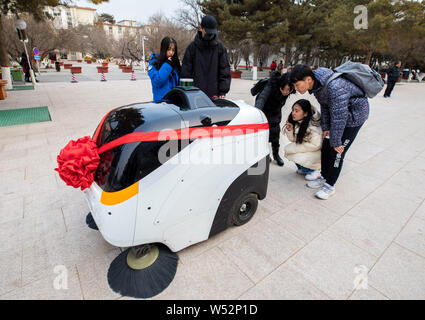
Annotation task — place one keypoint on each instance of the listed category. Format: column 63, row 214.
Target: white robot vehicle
column 197, row 168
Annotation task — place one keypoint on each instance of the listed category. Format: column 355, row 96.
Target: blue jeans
column 304, row 170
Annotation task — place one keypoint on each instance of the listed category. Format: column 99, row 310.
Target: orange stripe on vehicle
column 114, row 198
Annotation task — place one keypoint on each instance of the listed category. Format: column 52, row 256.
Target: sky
column 139, row 10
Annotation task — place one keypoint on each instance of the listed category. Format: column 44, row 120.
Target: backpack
column 367, row 79
column 259, row 86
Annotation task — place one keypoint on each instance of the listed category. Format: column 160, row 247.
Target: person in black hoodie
column 206, row 61
column 393, row 75
column 271, row 100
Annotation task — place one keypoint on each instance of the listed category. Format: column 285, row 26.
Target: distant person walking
column 25, row 67
column 393, row 75
column 344, row 108
column 206, row 61
column 273, row 66
column 164, row 69
column 280, row 67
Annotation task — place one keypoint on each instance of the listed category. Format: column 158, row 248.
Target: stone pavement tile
column 38, row 203
column 420, row 213
column 41, row 185
column 25, row 145
column 410, row 180
column 382, row 166
column 93, row 273
column 191, row 253
column 44, row 289
column 305, row 218
column 361, row 152
column 12, row 181
column 75, row 214
column 349, row 166
column 12, row 234
column 11, row 131
column 261, row 248
column 10, row 270
column 329, row 262
column 375, row 222
column 413, row 236
column 10, row 160
column 350, row 189
column 284, row 284
column 399, row 274
column 265, row 209
column 407, row 148
column 71, row 248
column 13, row 139
column 212, row 276
column 367, row 294
column 288, row 190
column 44, row 169
column 49, row 224
column 11, row 208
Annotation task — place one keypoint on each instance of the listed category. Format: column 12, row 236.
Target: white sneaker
column 326, row 192
column 313, row 176
column 316, row 184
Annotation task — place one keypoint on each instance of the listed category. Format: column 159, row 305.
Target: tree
column 381, row 18
column 32, row 7
column 105, row 17
column 43, row 36
column 190, row 14
column 159, row 27
column 263, row 22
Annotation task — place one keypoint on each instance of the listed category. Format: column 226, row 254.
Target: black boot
column 277, row 158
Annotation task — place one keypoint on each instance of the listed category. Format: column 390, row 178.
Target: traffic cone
column 103, row 77
column 133, row 76
column 73, row 78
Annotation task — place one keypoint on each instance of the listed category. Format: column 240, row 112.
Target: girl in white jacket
column 304, row 131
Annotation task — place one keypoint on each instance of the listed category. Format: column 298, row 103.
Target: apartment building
column 69, row 17
column 117, row 31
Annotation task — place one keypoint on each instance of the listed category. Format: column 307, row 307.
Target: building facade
column 71, row 17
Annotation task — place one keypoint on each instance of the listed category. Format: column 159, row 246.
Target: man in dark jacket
column 344, row 109
column 393, row 75
column 206, row 61
column 271, row 100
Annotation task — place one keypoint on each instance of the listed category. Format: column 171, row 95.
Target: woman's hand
column 325, row 134
column 289, row 126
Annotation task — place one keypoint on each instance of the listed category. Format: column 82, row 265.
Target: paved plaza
column 366, row 242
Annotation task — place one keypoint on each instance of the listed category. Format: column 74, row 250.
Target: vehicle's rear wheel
column 244, row 209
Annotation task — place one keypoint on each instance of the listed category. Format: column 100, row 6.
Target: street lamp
column 143, row 48
column 20, row 26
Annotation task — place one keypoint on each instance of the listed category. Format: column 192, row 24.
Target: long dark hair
column 165, row 44
column 307, row 108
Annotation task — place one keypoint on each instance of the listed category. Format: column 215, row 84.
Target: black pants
column 274, row 120
column 332, row 161
column 390, row 88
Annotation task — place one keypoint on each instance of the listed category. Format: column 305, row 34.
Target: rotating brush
column 143, row 272
column 90, row 222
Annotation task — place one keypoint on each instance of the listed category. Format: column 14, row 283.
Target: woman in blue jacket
column 164, row 71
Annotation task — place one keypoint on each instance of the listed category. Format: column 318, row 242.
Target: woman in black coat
column 271, row 100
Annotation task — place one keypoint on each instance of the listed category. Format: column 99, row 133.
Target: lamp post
column 143, row 48
column 20, row 26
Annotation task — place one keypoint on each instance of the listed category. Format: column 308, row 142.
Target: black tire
column 244, row 209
